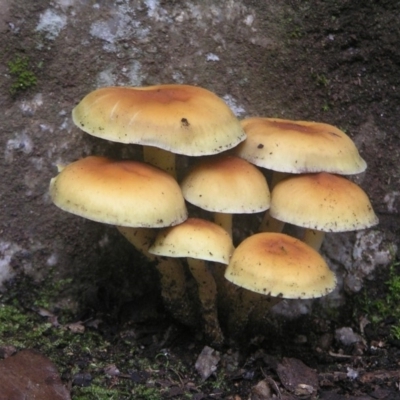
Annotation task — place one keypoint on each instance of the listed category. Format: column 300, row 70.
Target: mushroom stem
column 261, row 308
column 160, row 158
column 246, row 304
column 224, row 221
column 242, row 304
column 270, row 224
column 277, row 177
column 313, row 238
column 141, row 238
column 208, row 298
column 172, row 274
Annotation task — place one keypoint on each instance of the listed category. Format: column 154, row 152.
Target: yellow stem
column 208, row 298
column 224, row 221
column 172, row 275
column 277, row 177
column 270, row 224
column 248, row 304
column 160, row 158
column 313, row 238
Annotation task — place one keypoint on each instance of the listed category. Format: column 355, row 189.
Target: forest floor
column 143, row 354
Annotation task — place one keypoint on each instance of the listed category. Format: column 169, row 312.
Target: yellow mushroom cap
column 179, row 118
column 195, row 238
column 299, row 147
column 226, row 184
column 279, row 265
column 323, row 201
column 126, row 193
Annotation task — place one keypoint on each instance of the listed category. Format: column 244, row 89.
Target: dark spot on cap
column 185, row 122
column 260, row 146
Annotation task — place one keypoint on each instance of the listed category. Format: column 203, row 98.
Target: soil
column 144, row 354
column 335, row 61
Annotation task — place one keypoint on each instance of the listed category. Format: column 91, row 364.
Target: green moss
column 31, row 317
column 220, row 381
column 49, row 293
column 145, row 393
column 27, row 321
column 23, row 77
column 97, row 392
column 325, row 107
column 320, row 79
column 379, row 307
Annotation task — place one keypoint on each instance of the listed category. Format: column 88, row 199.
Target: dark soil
column 143, row 354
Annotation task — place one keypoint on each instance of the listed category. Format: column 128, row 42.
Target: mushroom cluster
column 147, row 199
column 308, row 160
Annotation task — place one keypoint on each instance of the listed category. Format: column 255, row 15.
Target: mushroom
column 278, row 266
column 130, row 194
column 126, row 193
column 226, row 185
column 321, row 203
column 165, row 119
column 199, row 240
column 299, row 147
column 296, row 147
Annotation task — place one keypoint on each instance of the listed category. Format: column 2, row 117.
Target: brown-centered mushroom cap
column 226, row 184
column 299, row 147
column 323, row 201
column 279, row 265
column 125, row 193
column 195, row 238
column 182, row 119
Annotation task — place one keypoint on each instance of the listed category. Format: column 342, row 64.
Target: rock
column 261, row 391
column 296, row 377
column 206, row 362
column 7, row 351
column 83, row 379
column 30, row 375
column 325, row 341
column 346, row 336
column 302, row 389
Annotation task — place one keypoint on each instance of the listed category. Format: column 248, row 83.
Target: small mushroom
column 278, row 266
column 226, row 185
column 321, row 203
column 298, row 147
column 199, row 240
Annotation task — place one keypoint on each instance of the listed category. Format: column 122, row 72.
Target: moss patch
column 383, row 308
column 97, row 358
column 23, row 77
